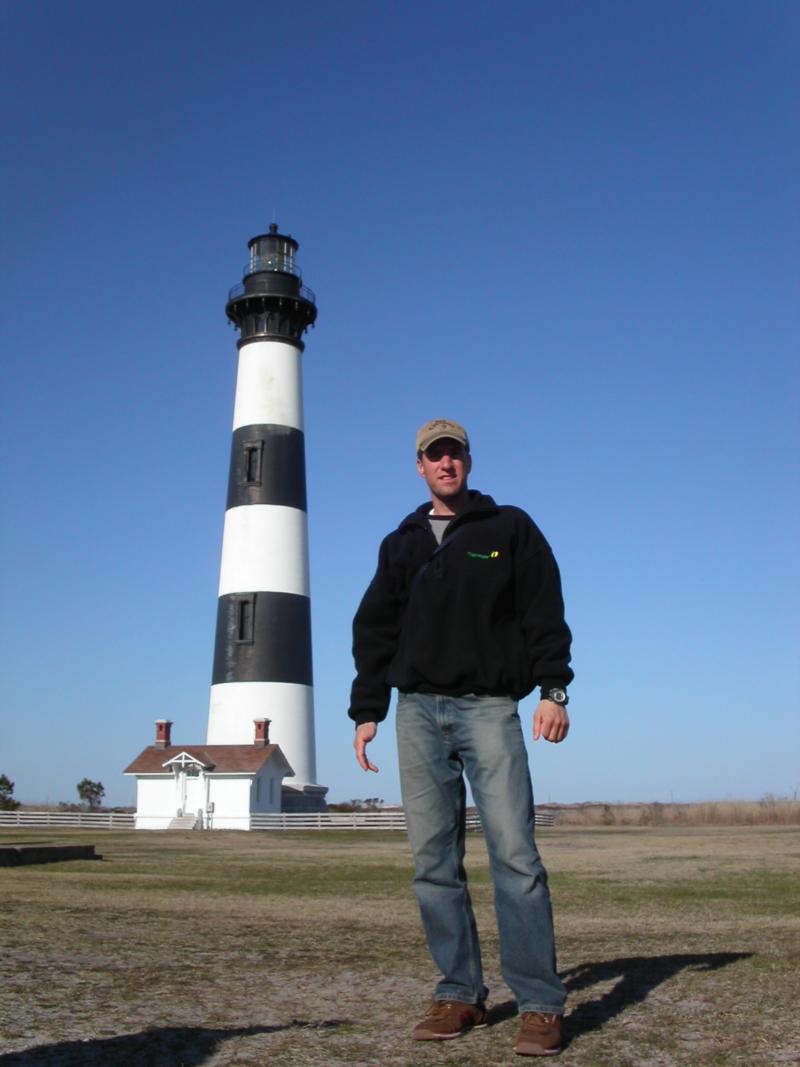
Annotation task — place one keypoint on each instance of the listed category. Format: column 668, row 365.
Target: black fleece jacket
column 483, row 613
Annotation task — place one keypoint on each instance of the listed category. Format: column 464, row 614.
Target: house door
column 191, row 793
column 190, row 784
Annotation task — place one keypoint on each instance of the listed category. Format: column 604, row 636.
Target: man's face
column 445, row 466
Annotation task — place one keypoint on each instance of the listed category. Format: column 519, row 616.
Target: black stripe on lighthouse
column 267, row 466
column 263, row 637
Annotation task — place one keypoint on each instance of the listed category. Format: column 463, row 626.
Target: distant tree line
column 370, row 804
column 90, row 792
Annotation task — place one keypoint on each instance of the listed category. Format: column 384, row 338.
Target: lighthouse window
column 244, row 619
column 253, row 456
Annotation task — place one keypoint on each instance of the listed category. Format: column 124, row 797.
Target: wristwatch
column 558, row 696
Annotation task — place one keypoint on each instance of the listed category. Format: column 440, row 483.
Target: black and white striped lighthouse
column 262, row 656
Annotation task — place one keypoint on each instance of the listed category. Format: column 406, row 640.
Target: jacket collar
column 479, row 503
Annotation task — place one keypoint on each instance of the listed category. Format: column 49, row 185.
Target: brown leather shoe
column 539, row 1035
column 446, row 1019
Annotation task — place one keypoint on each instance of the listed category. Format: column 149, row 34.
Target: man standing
column 464, row 617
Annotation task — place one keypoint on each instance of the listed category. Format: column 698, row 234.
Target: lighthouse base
column 303, row 798
column 235, row 706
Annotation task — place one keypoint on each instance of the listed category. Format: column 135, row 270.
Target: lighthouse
column 262, row 655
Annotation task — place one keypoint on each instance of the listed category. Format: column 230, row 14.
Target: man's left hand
column 550, row 721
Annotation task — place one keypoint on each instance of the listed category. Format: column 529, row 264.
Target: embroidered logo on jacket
column 484, row 555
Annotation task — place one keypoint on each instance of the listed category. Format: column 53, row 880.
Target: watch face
column 558, row 695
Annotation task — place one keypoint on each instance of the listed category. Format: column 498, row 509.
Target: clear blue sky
column 572, row 226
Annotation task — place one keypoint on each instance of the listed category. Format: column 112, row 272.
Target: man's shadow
column 167, row 1046
column 636, row 977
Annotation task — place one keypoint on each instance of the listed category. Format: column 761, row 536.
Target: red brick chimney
column 163, row 733
column 262, row 732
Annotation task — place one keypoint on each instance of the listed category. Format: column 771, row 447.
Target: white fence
column 340, row 820
column 93, row 820
column 329, row 820
column 359, row 820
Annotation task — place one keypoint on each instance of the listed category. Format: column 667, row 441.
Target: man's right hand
column 364, row 734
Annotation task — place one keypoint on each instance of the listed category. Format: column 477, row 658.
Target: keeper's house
column 213, row 787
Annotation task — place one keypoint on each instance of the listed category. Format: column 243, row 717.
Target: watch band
column 557, row 695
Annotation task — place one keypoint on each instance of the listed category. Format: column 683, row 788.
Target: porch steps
column 183, row 822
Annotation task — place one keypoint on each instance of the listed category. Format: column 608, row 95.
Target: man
column 464, row 617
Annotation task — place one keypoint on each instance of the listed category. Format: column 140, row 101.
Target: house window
column 244, row 619
column 253, row 462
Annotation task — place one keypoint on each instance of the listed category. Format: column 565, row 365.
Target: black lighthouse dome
column 270, row 302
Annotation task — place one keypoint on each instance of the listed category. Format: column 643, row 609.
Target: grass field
column 679, row 945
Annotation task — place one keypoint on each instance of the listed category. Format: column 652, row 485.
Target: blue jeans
column 440, row 738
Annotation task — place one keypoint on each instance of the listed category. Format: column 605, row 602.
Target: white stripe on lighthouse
column 269, row 385
column 290, row 707
column 264, row 547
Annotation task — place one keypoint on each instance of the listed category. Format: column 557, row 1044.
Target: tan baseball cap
column 437, row 428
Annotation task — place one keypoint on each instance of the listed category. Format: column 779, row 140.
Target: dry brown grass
column 769, row 811
column 680, row 946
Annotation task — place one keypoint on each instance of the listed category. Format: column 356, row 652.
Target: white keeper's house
column 214, row 787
